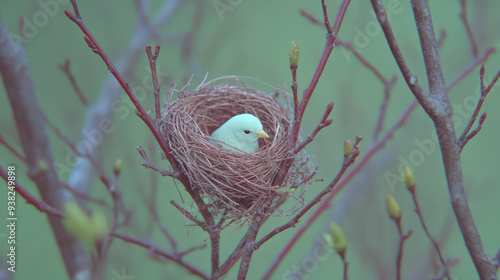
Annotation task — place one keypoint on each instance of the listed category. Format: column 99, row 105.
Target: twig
column 190, row 216
column 65, row 69
column 152, row 63
column 466, row 136
column 153, row 210
column 411, row 80
column 324, row 122
column 348, row 161
column 331, row 37
column 424, row 226
column 442, row 37
column 11, row 149
column 190, row 250
column 150, row 165
column 471, row 67
column 153, row 249
column 496, row 259
column 296, row 116
column 364, row 61
column 311, row 17
column 85, row 196
column 474, row 132
column 40, row 205
column 345, row 264
column 388, row 85
column 463, row 16
column 402, row 240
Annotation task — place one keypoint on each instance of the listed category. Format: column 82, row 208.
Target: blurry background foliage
column 253, row 40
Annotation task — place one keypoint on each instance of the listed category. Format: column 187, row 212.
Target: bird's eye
column 247, row 131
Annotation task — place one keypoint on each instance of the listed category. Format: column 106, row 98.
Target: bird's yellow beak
column 261, row 134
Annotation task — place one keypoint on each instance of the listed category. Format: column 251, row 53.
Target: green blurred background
column 251, row 39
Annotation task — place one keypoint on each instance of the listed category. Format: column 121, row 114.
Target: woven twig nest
column 236, row 184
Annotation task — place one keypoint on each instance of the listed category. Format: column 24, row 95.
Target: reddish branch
column 388, row 83
column 466, row 136
column 65, row 69
column 153, row 249
column 330, row 40
column 150, row 165
column 40, row 205
column 402, row 239
column 348, row 161
column 152, row 63
column 12, row 150
column 463, row 16
column 424, row 226
column 332, row 32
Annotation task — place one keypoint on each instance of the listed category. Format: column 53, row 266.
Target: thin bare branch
column 11, row 149
column 188, row 215
column 152, row 63
column 150, row 165
column 65, row 69
column 347, row 162
column 324, row 122
column 154, row 249
column 463, row 16
column 433, row 240
column 40, row 205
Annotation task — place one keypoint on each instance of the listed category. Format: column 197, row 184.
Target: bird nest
column 235, row 184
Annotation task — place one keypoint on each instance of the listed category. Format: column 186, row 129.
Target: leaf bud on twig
column 393, row 207
column 293, row 54
column 339, row 241
column 409, row 178
column 348, row 149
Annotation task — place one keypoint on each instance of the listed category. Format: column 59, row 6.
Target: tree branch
column 466, row 136
column 153, row 249
column 443, row 121
column 14, row 68
column 65, row 69
column 463, row 16
column 40, row 205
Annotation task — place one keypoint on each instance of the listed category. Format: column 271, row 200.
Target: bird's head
column 246, row 128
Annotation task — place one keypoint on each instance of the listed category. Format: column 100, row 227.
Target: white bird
column 241, row 132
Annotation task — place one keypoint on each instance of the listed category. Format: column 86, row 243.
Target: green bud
column 293, row 54
column 42, row 165
column 392, row 207
column 409, row 178
column 328, row 240
column 348, row 149
column 118, row 166
column 100, row 225
column 78, row 223
column 339, row 241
